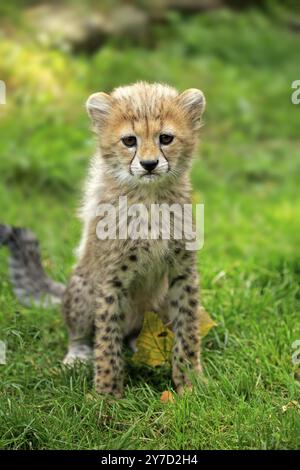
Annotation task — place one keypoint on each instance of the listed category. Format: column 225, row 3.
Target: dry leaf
column 167, row 397
column 206, row 323
column 291, row 404
column 155, row 342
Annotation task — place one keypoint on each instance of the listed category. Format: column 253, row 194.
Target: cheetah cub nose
column 149, row 165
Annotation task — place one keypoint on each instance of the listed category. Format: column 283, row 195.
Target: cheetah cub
column 146, row 135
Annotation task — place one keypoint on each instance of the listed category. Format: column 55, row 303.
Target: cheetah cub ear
column 98, row 107
column 193, row 103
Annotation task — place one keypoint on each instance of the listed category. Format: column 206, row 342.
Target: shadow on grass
column 159, row 378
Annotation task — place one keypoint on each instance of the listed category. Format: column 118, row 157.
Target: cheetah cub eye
column 129, row 141
column 166, row 139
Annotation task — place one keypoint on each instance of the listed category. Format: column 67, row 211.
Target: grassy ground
column 247, row 174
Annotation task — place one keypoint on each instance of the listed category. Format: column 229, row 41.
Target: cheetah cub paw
column 82, row 353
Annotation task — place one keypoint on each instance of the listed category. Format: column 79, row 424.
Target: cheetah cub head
column 147, row 132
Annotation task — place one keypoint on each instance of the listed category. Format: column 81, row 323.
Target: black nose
column 149, row 165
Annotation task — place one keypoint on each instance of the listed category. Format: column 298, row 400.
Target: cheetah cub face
column 146, row 132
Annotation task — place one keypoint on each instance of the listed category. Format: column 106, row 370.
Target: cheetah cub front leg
column 108, row 340
column 184, row 312
column 109, row 318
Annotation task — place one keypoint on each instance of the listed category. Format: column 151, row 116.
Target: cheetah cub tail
column 30, row 283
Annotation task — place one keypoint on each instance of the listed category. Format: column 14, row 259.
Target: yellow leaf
column 154, row 345
column 206, row 323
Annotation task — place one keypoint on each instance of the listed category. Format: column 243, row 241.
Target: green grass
column 246, row 173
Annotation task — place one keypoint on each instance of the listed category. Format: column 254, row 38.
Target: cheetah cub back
column 146, row 135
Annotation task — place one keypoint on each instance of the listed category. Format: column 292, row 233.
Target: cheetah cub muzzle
column 146, row 135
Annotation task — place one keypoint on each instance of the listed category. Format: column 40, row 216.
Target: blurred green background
column 53, row 55
column 244, row 55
